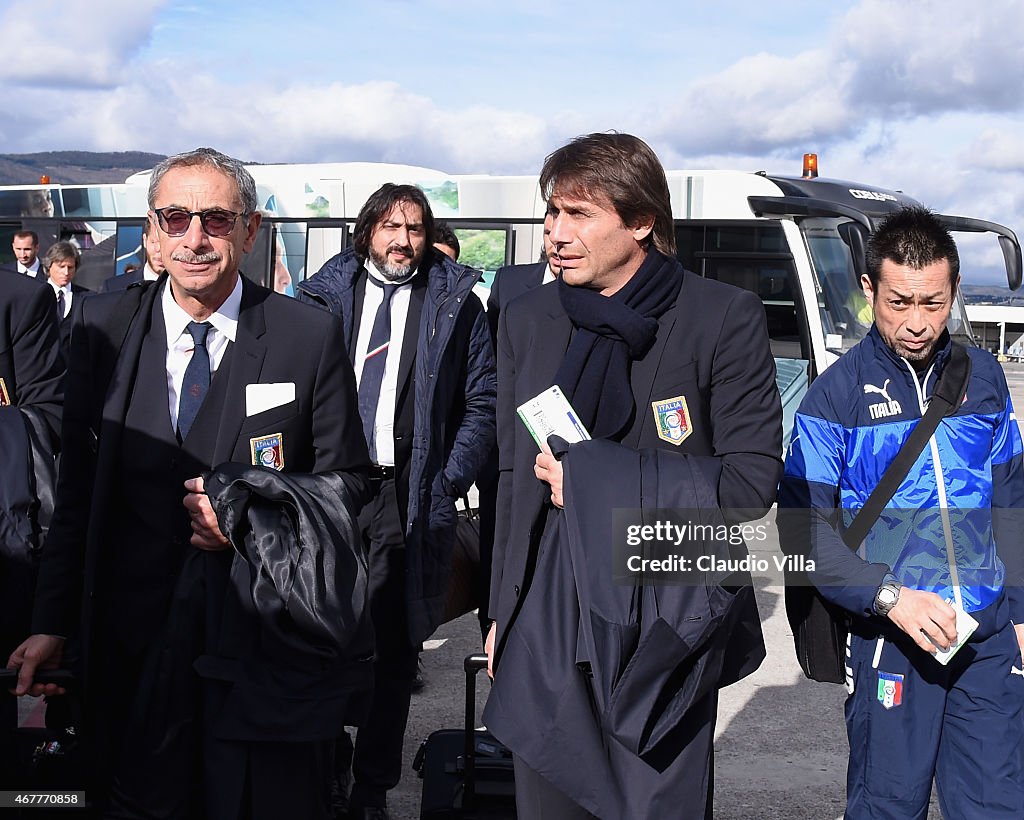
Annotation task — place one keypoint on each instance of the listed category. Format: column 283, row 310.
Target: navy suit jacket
column 79, row 294
column 711, row 349
column 32, row 380
column 509, row 282
column 12, row 267
column 30, row 364
column 124, row 281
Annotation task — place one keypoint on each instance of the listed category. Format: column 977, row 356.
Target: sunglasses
column 175, row 221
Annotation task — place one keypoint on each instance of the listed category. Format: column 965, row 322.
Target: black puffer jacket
column 454, row 426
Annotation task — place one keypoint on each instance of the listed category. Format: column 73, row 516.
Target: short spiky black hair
column 912, row 236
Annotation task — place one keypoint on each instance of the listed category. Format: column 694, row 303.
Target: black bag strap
column 946, row 398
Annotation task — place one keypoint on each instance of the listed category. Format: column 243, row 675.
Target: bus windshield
column 845, row 313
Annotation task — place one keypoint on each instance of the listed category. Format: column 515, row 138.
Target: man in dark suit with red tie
column 166, row 381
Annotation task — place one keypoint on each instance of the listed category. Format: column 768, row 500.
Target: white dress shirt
column 180, row 345
column 384, row 423
column 31, row 270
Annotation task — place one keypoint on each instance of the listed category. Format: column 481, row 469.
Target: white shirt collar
column 224, row 319
column 375, row 272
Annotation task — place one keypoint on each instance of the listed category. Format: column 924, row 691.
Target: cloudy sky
column 922, row 96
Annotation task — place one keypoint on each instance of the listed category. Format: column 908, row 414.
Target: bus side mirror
column 1011, row 256
column 855, row 236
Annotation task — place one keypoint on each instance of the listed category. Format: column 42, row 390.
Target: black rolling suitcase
column 466, row 773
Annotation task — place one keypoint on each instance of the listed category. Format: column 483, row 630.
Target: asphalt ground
column 781, row 747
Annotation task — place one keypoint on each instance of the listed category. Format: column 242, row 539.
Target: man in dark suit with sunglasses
column 168, row 380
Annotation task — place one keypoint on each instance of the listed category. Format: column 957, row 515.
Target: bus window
column 30, row 202
column 322, row 243
column 129, row 247
column 753, row 256
column 98, row 243
column 483, row 249
column 7, row 231
column 845, row 312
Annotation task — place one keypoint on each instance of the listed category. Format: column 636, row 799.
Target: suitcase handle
column 473, row 664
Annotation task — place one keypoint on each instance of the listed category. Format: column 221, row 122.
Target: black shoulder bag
column 819, row 627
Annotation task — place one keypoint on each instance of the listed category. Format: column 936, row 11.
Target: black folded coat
column 298, row 572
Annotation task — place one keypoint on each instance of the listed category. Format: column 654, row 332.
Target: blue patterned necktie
column 197, row 379
column 373, row 365
column 60, row 304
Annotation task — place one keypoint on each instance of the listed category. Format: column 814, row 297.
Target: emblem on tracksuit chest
column 673, row 419
column 883, row 409
column 890, row 690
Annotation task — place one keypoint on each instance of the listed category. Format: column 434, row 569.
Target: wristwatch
column 887, row 596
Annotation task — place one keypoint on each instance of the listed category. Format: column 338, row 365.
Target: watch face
column 886, row 596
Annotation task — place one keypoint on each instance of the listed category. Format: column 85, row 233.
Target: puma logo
column 882, row 391
column 885, row 409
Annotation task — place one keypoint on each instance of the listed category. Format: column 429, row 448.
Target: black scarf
column 611, row 333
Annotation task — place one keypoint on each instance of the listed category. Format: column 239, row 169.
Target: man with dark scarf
column 664, row 368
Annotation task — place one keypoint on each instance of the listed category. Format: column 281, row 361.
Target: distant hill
column 991, row 295
column 74, row 167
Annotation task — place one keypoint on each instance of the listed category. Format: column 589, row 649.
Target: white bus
column 798, row 242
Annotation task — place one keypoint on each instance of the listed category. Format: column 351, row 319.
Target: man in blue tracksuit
column 948, row 539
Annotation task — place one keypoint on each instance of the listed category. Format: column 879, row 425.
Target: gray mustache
column 194, row 258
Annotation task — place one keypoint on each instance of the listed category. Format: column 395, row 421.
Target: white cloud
column 73, row 45
column 376, row 121
column 907, row 94
column 998, row 149
column 885, row 61
column 936, row 55
column 758, row 104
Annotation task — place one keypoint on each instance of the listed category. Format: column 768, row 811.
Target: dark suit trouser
column 377, row 764
column 160, row 718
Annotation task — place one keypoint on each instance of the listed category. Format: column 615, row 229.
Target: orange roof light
column 44, row 179
column 810, row 166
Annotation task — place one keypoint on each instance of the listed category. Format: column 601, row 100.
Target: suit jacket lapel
column 246, row 362
column 412, row 331
column 352, row 329
column 118, row 362
column 550, row 340
column 116, row 366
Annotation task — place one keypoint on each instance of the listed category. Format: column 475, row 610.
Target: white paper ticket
column 550, row 413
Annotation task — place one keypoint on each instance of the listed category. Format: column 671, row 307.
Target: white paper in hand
column 550, row 413
column 965, row 626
